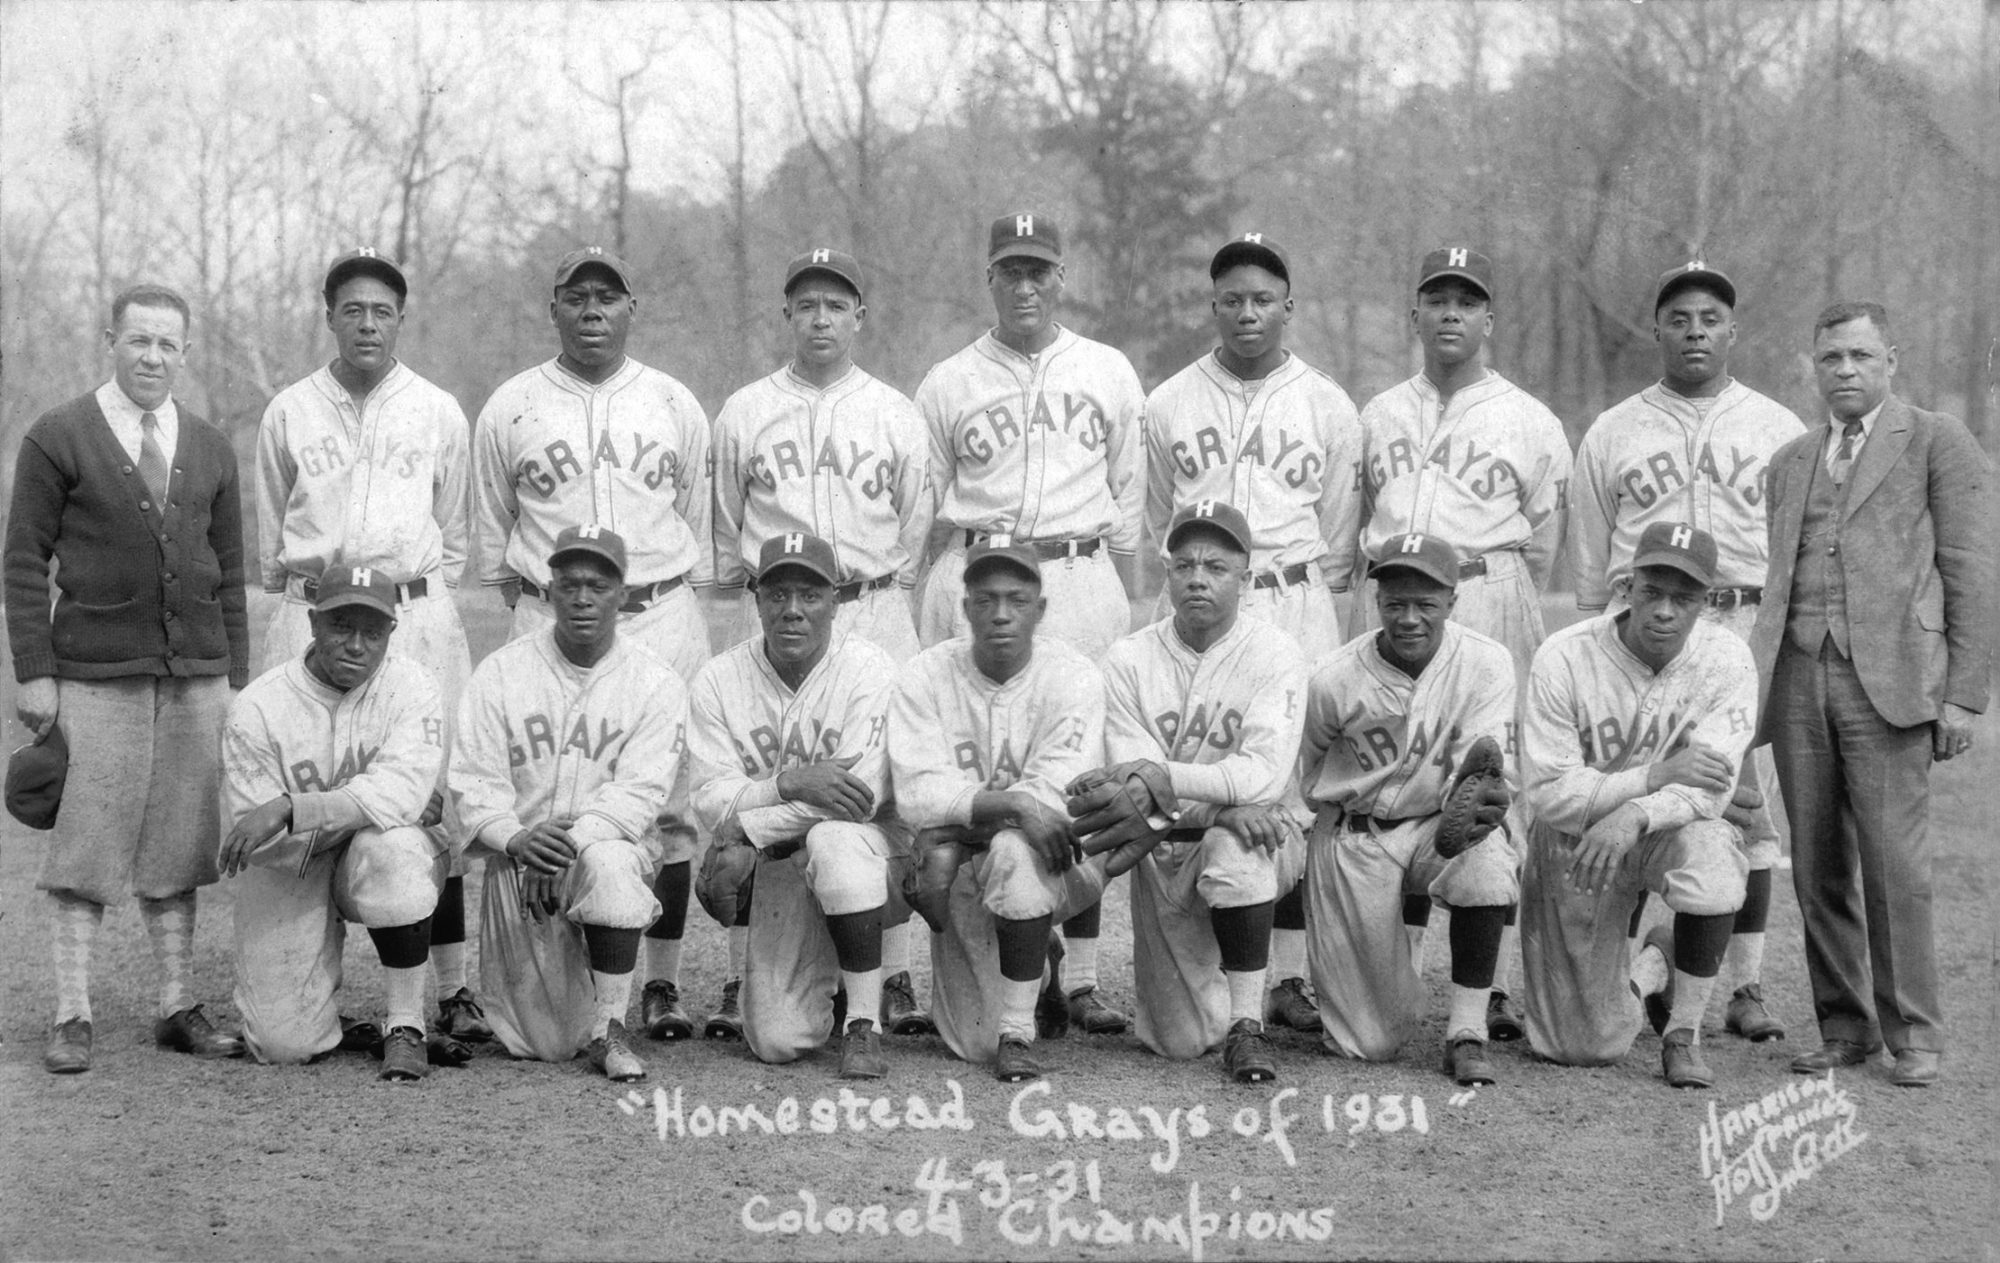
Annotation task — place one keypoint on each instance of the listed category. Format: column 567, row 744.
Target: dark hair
column 150, row 296
column 1842, row 312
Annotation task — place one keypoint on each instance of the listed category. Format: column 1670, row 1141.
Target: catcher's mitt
column 1742, row 804
column 725, row 872
column 1477, row 801
column 1111, row 805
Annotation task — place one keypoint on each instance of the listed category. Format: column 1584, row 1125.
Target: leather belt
column 855, row 591
column 405, row 592
column 1473, row 568
column 1289, row 577
column 1360, row 824
column 1047, row 549
column 637, row 600
column 1730, row 598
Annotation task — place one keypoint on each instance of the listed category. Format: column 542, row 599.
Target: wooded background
column 1849, row 148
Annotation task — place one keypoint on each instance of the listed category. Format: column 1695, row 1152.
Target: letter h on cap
column 822, row 255
column 589, row 530
column 1412, row 544
column 363, row 576
column 1024, row 225
column 1205, row 508
column 1683, row 537
column 795, row 543
column 1456, row 258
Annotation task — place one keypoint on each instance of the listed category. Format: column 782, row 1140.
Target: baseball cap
column 364, row 261
column 583, row 256
column 806, row 552
column 1693, row 272
column 1025, row 235
column 590, row 540
column 355, row 585
column 1217, row 514
column 35, row 777
column 1419, row 553
column 1678, row 546
column 1251, row 247
column 1459, row 261
column 1001, row 549
column 835, row 263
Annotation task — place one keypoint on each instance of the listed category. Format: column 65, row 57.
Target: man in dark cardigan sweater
column 136, row 501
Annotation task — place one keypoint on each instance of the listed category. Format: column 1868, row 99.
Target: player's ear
column 860, row 314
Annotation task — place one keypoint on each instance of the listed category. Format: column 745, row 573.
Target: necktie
column 1843, row 456
column 153, row 462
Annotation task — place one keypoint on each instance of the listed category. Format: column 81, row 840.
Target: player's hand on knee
column 1695, row 765
column 36, row 705
column 251, row 834
column 830, row 787
column 1594, row 864
column 1265, row 827
column 541, row 894
column 544, row 848
column 1048, row 831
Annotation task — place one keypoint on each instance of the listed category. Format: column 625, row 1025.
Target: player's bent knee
column 1015, row 884
column 611, row 885
column 1233, row 874
column 1709, row 874
column 845, row 867
column 389, row 877
column 1483, row 877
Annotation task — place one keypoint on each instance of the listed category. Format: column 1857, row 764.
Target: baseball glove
column 725, row 871
column 1477, row 800
column 1110, row 805
column 1745, row 801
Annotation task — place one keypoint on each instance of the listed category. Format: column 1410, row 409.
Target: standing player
column 985, row 734
column 1694, row 447
column 1636, row 725
column 1392, row 719
column 1255, row 426
column 569, row 741
column 1035, row 435
column 331, row 763
column 790, row 762
column 822, row 448
column 1218, row 701
column 593, row 437
column 1461, row 454
column 364, row 463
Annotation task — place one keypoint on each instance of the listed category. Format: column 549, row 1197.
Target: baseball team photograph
column 1110, row 629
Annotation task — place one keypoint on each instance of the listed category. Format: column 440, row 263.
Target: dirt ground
column 153, row 1155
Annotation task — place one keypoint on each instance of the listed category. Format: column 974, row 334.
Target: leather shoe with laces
column 1503, row 1022
column 1916, row 1068
column 1014, row 1063
column 660, row 1011
column 1246, row 1053
column 1465, row 1061
column 1748, row 1017
column 1680, row 1060
column 861, row 1052
column 900, row 1014
column 1090, row 1014
column 460, row 1017
column 190, row 1031
column 727, row 1020
column 405, row 1057
column 69, row 1047
column 1287, row 1004
column 612, row 1054
column 1834, row 1054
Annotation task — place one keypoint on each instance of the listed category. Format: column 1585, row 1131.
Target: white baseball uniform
column 1043, row 447
column 539, row 739
column 1487, row 473
column 1379, row 752
column 1596, row 719
column 745, row 726
column 1225, row 723
column 359, row 765
column 954, row 732
column 1285, row 450
column 850, row 464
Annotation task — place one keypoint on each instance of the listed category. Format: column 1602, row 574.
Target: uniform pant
column 291, row 927
column 534, row 978
column 1181, row 998
column 1006, row 880
column 1762, row 842
column 1370, row 986
column 1088, row 607
column 1575, row 949
column 1305, row 611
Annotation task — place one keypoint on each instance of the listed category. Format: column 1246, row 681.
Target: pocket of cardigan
column 113, row 607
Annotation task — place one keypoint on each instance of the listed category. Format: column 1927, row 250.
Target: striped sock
column 76, row 922
column 170, row 926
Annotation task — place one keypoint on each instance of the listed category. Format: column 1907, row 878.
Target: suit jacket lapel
column 1880, row 453
column 1791, row 518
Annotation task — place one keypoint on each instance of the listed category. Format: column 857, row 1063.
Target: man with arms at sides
column 593, row 437
column 364, row 463
column 1394, row 720
column 1875, row 638
column 985, row 734
column 1252, row 424
column 1693, row 447
column 568, row 744
column 1637, row 723
column 791, row 765
column 332, row 763
column 821, row 448
column 1035, row 434
column 135, row 503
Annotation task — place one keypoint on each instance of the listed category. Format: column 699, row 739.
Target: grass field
column 152, row 1155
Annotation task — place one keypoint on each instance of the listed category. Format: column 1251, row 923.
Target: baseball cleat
column 661, row 1014
column 1680, row 1060
column 861, row 1052
column 727, row 1020
column 1465, row 1061
column 460, row 1017
column 1503, row 1022
column 190, row 1031
column 358, row 1036
column 1093, row 1016
column 1246, row 1054
column 69, row 1047
column 405, row 1057
column 900, row 1014
column 612, row 1053
column 1015, row 1064
column 447, row 1050
column 1287, row 1004
column 1659, row 1005
column 1748, row 1017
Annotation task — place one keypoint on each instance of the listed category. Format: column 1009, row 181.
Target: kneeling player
column 569, row 741
column 1637, row 724
column 791, row 775
column 1395, row 720
column 985, row 733
column 331, row 764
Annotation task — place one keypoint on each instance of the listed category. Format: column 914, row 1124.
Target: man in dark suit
column 1873, row 645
